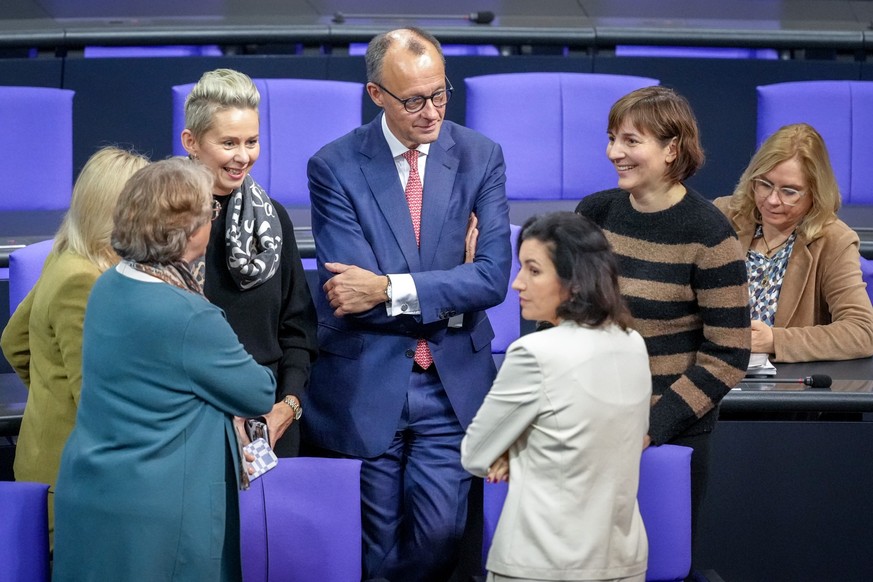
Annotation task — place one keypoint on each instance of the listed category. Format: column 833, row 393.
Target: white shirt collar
column 397, row 148
column 124, row 268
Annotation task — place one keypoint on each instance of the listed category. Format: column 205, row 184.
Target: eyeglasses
column 417, row 103
column 787, row 196
column 216, row 209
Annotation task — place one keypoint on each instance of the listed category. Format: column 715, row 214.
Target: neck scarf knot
column 253, row 236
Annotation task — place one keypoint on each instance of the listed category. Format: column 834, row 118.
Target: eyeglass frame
column 771, row 187
column 448, row 90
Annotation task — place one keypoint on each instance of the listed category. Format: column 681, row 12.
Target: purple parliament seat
column 665, row 505
column 552, row 127
column 25, row 267
column 867, row 274
column 298, row 117
column 696, row 52
column 24, row 539
column 449, row 50
column 37, row 139
column 842, row 112
column 157, row 51
column 301, row 522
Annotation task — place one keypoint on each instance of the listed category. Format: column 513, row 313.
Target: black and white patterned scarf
column 253, row 236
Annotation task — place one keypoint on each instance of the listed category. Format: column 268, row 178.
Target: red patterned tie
column 414, row 192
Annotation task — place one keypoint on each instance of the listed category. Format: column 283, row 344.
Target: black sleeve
column 297, row 321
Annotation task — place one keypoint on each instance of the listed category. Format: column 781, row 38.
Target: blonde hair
column 802, row 142
column 666, row 115
column 87, row 227
column 216, row 91
column 160, row 208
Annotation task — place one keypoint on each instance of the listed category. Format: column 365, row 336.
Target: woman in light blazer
column 566, row 417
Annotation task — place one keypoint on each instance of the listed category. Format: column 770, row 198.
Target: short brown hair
column 159, row 208
column 666, row 115
column 802, row 142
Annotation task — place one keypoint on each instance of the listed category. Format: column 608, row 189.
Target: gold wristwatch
column 292, row 402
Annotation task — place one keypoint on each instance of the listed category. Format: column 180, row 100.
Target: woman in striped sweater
column 682, row 270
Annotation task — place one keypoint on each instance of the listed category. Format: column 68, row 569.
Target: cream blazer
column 571, row 404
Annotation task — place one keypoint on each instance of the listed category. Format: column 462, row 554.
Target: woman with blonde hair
column 43, row 339
column 253, row 269
column 807, row 296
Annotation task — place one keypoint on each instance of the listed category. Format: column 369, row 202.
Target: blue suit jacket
column 360, row 217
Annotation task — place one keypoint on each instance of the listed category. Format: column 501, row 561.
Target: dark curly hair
column 586, row 266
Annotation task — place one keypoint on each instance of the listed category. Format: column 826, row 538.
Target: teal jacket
column 147, row 488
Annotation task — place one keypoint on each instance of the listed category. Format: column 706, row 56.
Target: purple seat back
column 37, row 139
column 842, row 112
column 157, row 51
column 298, row 117
column 449, row 50
column 301, row 522
column 552, row 127
column 665, row 505
column 695, row 52
column 867, row 275
column 24, row 540
column 506, row 317
column 25, row 267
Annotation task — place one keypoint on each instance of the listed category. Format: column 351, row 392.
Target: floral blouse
column 765, row 278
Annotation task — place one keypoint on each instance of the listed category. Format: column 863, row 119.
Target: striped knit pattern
column 683, row 275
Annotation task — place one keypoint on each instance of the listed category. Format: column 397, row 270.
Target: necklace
column 774, row 248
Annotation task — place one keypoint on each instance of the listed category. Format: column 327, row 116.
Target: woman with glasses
column 148, row 481
column 806, row 294
column 681, row 269
column 253, row 269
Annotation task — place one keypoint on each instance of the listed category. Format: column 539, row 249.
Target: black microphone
column 485, row 17
column 814, row 381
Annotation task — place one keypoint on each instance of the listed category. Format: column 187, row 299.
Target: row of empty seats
column 477, row 50
column 301, row 521
column 551, row 127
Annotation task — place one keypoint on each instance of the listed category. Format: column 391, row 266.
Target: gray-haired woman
column 148, row 478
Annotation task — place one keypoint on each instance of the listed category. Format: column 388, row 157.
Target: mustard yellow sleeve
column 15, row 340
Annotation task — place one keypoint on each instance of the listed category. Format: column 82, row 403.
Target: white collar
column 125, row 269
column 397, row 148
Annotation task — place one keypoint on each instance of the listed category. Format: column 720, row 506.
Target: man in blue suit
column 405, row 356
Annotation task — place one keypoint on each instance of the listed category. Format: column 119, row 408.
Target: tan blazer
column 824, row 312
column 571, row 404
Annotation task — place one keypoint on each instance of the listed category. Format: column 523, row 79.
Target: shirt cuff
column 404, row 296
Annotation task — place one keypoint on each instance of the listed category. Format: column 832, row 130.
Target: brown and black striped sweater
column 683, row 276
